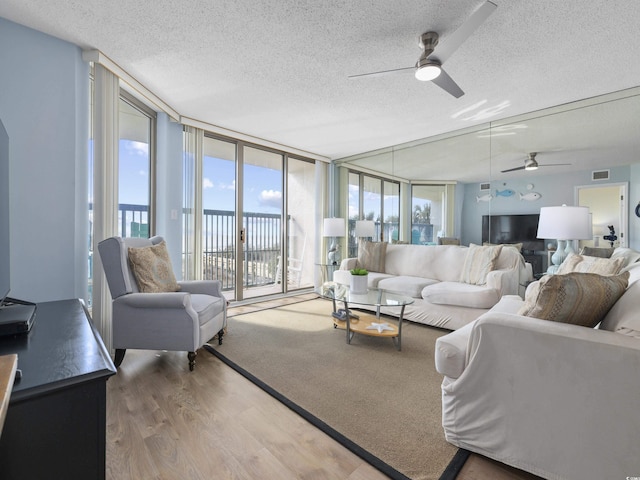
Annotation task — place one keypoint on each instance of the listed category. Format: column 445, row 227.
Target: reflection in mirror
column 598, row 139
column 590, row 143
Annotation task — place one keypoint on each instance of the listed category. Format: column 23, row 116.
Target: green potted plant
column 359, row 278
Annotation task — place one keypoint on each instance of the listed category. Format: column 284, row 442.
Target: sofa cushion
column 371, row 255
column 406, row 285
column 623, row 317
column 152, row 269
column 597, row 252
column 461, row 294
column 586, row 264
column 576, row 298
column 628, row 255
column 478, row 263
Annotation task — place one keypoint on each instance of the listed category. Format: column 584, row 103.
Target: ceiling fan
column 530, row 163
column 429, row 65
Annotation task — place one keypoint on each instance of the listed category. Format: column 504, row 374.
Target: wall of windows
column 372, row 198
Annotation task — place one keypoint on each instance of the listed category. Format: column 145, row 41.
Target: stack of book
column 341, row 315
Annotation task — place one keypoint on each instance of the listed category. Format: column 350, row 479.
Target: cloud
column 271, row 198
column 206, row 183
column 138, row 148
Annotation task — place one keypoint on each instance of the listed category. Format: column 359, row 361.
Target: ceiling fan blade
column 553, row 164
column 513, row 169
column 445, row 82
column 450, row 44
column 381, row 73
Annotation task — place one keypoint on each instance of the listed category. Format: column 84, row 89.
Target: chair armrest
column 162, row 300
column 205, row 287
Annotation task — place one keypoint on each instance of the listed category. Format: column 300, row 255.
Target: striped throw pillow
column 478, row 263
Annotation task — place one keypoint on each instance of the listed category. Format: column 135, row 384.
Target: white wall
column 44, row 89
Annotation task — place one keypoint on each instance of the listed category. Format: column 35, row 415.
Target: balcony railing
column 261, row 253
column 261, row 247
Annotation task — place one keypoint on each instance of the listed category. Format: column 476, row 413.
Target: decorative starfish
column 381, row 327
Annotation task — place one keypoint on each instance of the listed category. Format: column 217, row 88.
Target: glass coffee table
column 352, row 323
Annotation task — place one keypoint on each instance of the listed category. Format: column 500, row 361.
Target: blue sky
column 263, row 186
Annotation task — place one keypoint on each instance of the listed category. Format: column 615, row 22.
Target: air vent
column 485, row 186
column 600, row 175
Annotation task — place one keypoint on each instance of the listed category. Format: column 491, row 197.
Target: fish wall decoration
column 507, row 192
column 530, row 196
column 484, row 198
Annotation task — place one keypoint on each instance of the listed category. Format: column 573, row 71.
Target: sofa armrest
column 527, row 381
column 348, row 263
column 504, row 281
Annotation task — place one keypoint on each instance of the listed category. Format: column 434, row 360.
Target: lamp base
column 565, row 247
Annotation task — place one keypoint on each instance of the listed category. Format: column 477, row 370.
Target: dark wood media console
column 56, row 422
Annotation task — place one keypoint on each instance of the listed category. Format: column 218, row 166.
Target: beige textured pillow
column 575, row 298
column 586, row 264
column 478, row 263
column 152, row 269
column 371, row 255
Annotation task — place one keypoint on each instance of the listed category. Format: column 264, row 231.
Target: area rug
column 381, row 403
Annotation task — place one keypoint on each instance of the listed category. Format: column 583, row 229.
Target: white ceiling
column 277, row 69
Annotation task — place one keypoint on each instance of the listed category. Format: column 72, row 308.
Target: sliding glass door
column 262, row 211
column 246, row 242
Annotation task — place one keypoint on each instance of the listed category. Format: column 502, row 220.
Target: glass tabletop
column 373, row 296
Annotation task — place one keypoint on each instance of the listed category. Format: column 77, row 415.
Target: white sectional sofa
column 555, row 399
column 433, row 275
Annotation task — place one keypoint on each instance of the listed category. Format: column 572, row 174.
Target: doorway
column 609, row 208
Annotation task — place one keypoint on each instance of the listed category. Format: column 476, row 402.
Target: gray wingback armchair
column 177, row 321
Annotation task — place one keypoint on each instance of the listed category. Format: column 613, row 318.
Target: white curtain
column 105, row 188
column 192, row 158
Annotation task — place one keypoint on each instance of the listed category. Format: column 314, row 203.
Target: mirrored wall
column 588, row 143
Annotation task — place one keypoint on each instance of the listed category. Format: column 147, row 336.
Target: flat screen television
column 5, row 274
column 521, row 228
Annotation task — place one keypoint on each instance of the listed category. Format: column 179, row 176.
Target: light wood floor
column 164, row 422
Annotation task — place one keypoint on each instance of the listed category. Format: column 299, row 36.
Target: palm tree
column 422, row 214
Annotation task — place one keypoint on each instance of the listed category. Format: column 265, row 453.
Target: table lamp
column 333, row 227
column 564, row 224
column 365, row 228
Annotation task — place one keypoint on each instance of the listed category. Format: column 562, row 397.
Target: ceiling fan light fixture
column 427, row 70
column 530, row 163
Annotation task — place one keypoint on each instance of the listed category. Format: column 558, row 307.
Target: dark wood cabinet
column 56, row 422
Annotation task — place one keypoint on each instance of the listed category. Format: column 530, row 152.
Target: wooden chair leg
column 119, row 356
column 192, row 360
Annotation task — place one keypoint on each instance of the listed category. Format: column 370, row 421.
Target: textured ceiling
column 278, row 69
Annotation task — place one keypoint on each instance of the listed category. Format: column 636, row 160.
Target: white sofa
column 431, row 274
column 554, row 399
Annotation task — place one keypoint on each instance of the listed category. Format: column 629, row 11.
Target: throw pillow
column 478, row 263
column 371, row 255
column 576, row 298
column 586, row 264
column 597, row 252
column 152, row 269
column 517, row 246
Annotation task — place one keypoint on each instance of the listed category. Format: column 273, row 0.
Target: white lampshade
column 565, row 223
column 365, row 228
column 333, row 227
